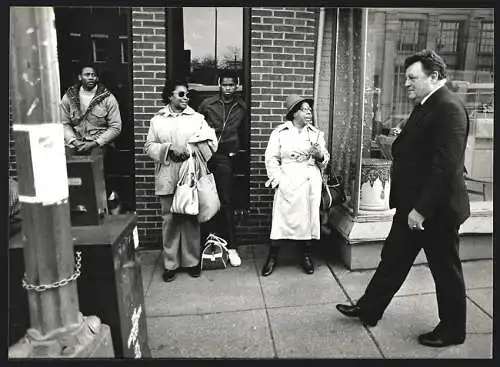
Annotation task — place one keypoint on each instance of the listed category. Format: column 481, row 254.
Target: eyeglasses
column 306, row 110
column 182, row 94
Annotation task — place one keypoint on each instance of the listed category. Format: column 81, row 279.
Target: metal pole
column 57, row 327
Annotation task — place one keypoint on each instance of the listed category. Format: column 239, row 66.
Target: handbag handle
column 202, row 164
column 185, row 168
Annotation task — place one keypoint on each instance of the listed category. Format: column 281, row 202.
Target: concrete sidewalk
column 236, row 313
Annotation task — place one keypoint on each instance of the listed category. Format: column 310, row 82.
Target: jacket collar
column 217, row 99
column 167, row 111
column 289, row 125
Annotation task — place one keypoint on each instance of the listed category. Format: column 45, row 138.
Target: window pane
column 486, row 37
column 448, row 37
column 100, row 47
column 392, row 34
column 213, row 40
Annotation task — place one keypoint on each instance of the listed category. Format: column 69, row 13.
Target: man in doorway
column 429, row 194
column 227, row 114
column 91, row 120
column 90, row 114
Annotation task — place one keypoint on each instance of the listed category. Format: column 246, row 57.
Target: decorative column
column 58, row 329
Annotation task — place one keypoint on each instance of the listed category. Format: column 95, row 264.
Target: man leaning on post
column 429, row 194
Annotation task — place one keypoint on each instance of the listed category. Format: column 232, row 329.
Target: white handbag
column 185, row 199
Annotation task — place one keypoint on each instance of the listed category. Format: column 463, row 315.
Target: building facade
column 349, row 59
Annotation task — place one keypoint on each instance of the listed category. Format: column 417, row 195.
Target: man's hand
column 86, row 146
column 395, row 131
column 415, row 220
column 316, row 153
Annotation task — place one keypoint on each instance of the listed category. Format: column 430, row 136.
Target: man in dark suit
column 429, row 194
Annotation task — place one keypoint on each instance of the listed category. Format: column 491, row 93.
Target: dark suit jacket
column 428, row 160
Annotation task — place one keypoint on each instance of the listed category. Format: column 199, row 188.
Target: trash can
column 110, row 284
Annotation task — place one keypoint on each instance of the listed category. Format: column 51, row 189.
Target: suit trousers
column 181, row 237
column 440, row 242
column 222, row 224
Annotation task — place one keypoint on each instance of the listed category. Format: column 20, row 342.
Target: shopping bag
column 185, row 199
column 208, row 199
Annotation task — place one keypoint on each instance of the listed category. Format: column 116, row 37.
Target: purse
column 214, row 255
column 185, row 199
column 208, row 199
column 332, row 192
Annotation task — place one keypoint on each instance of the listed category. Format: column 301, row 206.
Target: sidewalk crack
column 370, row 334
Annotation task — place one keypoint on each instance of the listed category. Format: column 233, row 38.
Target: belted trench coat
column 298, row 195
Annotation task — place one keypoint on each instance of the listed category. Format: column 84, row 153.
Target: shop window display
column 463, row 37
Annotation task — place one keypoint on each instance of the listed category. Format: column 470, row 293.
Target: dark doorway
column 101, row 36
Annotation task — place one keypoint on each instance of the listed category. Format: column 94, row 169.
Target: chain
column 59, row 283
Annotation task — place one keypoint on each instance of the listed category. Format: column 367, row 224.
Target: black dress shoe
column 307, row 264
column 195, row 271
column 354, row 311
column 435, row 339
column 348, row 310
column 169, row 275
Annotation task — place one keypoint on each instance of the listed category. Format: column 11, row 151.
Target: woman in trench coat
column 294, row 158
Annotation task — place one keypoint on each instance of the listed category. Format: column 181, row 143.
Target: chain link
column 59, row 283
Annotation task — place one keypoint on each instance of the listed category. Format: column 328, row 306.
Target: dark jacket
column 234, row 131
column 428, row 160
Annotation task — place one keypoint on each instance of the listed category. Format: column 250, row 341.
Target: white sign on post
column 48, row 162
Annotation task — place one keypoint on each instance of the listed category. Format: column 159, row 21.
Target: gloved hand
column 178, row 154
column 315, row 152
column 273, row 182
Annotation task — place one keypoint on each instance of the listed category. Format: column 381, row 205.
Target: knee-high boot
column 272, row 259
column 307, row 263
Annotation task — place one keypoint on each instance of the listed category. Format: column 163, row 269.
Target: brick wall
column 12, row 151
column 149, row 70
column 283, row 44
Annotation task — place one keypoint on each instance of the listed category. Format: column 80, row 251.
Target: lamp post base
column 89, row 339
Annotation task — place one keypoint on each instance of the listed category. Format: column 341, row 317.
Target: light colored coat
column 298, row 195
column 167, row 129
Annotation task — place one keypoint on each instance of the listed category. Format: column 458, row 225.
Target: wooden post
column 57, row 327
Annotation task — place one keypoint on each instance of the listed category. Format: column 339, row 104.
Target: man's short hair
column 431, row 62
column 228, row 73
column 80, row 70
column 170, row 86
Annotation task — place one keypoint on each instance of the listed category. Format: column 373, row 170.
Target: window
column 448, row 36
column 486, row 38
column 75, row 50
column 124, row 49
column 410, row 39
column 99, row 47
column 470, row 75
column 212, row 41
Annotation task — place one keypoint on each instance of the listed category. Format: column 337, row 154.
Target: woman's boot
column 307, row 263
column 272, row 259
